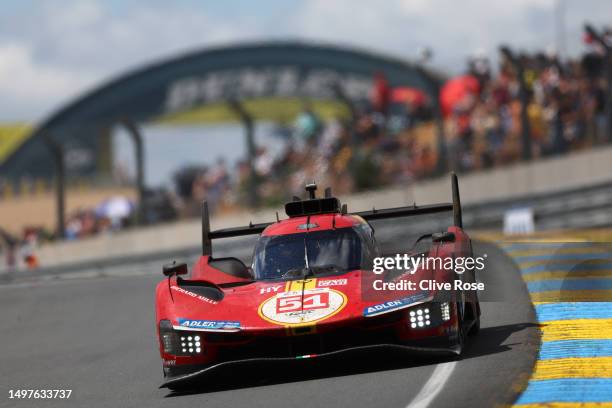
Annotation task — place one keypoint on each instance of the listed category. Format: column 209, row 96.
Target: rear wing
column 374, row 214
column 455, row 206
column 208, row 235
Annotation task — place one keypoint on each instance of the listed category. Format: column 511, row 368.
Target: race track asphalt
column 96, row 337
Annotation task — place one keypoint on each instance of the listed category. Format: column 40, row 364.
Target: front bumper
column 397, row 331
column 199, row 374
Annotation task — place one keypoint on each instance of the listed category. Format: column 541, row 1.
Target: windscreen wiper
column 296, row 273
column 325, row 269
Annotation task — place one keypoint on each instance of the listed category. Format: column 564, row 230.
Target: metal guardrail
column 102, row 264
column 586, row 207
column 238, row 247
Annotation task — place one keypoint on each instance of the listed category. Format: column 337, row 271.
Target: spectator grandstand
column 393, row 138
column 390, row 142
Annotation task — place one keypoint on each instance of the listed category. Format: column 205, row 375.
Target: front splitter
column 192, row 379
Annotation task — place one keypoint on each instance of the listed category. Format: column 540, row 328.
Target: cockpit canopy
column 314, row 253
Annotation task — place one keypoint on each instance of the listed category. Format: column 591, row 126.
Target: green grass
column 12, row 135
column 272, row 109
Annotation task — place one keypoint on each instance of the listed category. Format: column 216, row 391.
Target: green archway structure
column 174, row 89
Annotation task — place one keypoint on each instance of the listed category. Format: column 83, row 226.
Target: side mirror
column 443, row 237
column 175, row 269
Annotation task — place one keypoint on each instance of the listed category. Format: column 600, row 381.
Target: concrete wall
column 557, row 174
column 38, row 209
column 545, row 176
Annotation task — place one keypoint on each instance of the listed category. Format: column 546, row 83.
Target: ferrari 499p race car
column 310, row 292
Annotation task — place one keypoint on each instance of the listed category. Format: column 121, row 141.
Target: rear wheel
column 472, row 315
column 475, row 327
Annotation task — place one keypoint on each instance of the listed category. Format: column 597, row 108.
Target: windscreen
column 285, row 256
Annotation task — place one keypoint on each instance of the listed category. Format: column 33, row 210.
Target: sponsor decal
column 209, row 324
column 394, row 304
column 194, row 295
column 332, row 282
column 295, row 308
column 270, row 289
column 264, row 81
column 307, row 226
column 299, row 285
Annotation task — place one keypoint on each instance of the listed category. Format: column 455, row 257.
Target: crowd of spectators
column 565, row 110
column 347, row 155
column 390, row 142
column 194, row 184
column 110, row 215
column 393, row 138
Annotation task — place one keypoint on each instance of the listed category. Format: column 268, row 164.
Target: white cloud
column 453, row 29
column 56, row 50
column 27, row 86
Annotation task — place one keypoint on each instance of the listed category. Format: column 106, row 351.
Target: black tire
column 460, row 340
column 475, row 327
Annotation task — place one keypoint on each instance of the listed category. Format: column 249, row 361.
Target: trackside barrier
column 587, row 207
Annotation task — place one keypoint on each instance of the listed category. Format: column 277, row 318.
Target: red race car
column 316, row 288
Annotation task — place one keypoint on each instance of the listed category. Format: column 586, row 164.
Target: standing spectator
column 381, row 94
column 10, row 248
column 307, row 127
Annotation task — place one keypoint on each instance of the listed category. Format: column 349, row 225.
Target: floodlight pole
column 247, row 120
column 136, row 136
column 523, row 97
column 442, row 165
column 599, row 39
column 434, row 91
column 348, row 103
column 60, row 186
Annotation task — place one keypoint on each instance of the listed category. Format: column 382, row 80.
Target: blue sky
column 50, row 51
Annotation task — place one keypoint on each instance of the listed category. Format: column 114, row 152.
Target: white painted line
column 433, row 386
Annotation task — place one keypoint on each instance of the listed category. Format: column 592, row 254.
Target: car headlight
column 445, row 311
column 179, row 343
column 419, row 317
column 191, row 344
